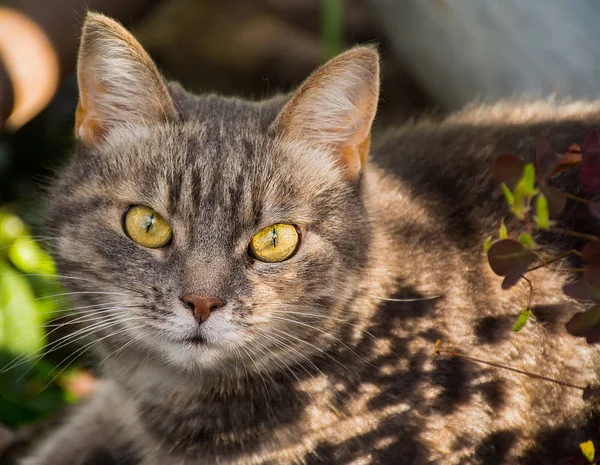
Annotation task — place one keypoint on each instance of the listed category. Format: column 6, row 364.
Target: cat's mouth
column 196, row 340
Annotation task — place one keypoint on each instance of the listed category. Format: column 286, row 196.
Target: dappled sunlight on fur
column 326, row 357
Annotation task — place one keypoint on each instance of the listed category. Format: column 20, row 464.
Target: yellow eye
column 275, row 243
column 146, row 227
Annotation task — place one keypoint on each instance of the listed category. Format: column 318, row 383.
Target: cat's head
column 211, row 231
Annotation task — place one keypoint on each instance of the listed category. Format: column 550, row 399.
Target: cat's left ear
column 118, row 82
column 334, row 108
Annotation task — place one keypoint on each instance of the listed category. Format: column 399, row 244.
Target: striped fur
column 306, row 364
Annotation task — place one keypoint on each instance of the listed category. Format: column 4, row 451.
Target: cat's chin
column 193, row 354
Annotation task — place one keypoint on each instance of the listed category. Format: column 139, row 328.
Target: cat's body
column 327, row 370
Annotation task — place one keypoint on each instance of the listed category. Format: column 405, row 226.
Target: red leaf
column 587, row 288
column 576, row 459
column 589, row 171
column 595, row 210
column 513, row 277
column 556, row 201
column 593, row 335
column 509, row 257
column 572, row 157
column 546, row 159
column 590, row 393
column 583, row 322
column 507, row 169
column 591, row 253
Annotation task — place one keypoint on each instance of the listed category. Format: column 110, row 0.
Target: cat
column 274, row 284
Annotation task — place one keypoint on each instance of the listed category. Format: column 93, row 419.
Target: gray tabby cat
column 246, row 252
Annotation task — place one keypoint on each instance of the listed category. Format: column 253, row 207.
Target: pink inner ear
column 354, row 157
column 335, row 107
column 86, row 126
column 118, row 82
column 88, row 121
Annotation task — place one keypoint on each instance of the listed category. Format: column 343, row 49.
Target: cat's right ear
column 333, row 110
column 118, row 82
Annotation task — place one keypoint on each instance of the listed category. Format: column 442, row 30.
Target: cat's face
column 214, row 175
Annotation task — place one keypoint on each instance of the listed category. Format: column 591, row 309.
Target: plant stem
column 332, row 15
column 515, row 370
column 578, row 199
column 566, row 232
column 548, row 262
column 530, row 293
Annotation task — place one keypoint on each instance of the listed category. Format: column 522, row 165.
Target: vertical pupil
column 149, row 222
column 274, row 236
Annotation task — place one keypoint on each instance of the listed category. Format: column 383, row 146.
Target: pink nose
column 202, row 306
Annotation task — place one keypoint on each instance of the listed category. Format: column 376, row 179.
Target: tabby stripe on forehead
column 248, row 149
column 174, row 192
column 77, row 208
column 217, row 173
column 236, row 196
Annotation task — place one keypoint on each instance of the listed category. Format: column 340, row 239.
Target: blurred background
column 438, row 55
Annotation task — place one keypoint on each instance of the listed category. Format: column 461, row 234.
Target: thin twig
column 530, row 292
column 552, row 260
column 567, row 232
column 578, row 199
column 440, row 351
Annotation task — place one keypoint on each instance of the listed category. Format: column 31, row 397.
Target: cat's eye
column 275, row 243
column 146, row 227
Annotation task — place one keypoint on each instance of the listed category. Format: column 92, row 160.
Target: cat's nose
column 202, row 306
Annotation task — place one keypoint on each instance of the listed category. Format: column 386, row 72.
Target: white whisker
column 82, row 350
column 416, row 299
column 325, row 317
column 331, row 336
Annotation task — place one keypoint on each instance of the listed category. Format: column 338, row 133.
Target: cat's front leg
column 92, row 436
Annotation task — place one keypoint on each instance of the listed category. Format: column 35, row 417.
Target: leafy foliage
column 587, row 288
column 510, row 259
column 588, row 450
column 586, row 324
column 523, row 318
column 537, row 204
column 556, row 201
column 542, row 217
column 526, row 240
column 28, row 291
column 589, row 173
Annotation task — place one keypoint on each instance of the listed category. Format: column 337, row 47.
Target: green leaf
column 519, row 199
column 588, row 450
column 526, row 240
column 11, row 227
column 22, row 323
column 28, row 257
column 508, row 195
column 503, row 232
column 487, row 244
column 14, row 415
column 542, row 217
column 529, row 180
column 45, row 285
column 522, row 320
